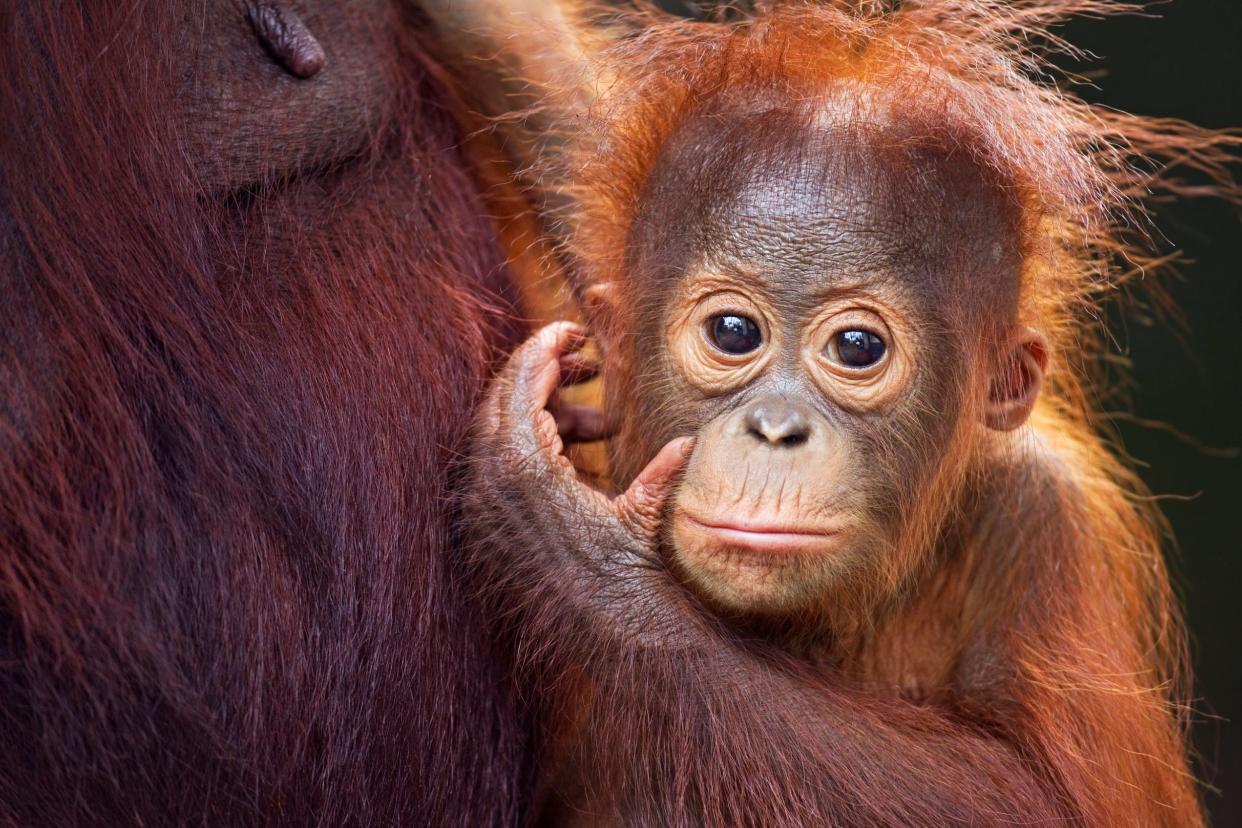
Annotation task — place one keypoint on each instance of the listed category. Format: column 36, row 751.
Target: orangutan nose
column 778, row 421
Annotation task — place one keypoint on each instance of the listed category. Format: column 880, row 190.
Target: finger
column 577, row 367
column 536, row 366
column 582, row 423
column 641, row 505
column 550, row 443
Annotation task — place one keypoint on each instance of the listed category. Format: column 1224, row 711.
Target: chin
column 750, row 567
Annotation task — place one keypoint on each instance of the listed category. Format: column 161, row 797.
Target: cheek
column 916, row 449
column 644, row 427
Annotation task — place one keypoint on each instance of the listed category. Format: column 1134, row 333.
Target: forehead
column 806, row 205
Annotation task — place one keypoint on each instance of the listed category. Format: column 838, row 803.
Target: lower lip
column 767, row 541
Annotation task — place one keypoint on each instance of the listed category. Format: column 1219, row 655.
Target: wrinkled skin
column 793, row 501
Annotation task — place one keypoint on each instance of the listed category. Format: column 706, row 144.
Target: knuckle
column 638, row 518
column 645, row 499
column 642, row 494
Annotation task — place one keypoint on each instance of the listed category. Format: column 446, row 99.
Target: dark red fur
column 232, row 378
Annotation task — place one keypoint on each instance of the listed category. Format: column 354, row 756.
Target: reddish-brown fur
column 1029, row 667
column 244, row 318
column 232, row 377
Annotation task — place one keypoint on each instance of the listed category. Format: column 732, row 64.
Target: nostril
column 778, row 423
column 779, row 437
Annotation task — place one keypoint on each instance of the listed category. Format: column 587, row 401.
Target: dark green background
column 1187, row 63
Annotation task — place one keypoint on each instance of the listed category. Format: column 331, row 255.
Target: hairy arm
column 526, row 63
column 1084, row 627
column 686, row 724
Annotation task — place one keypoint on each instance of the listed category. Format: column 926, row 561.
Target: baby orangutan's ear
column 1015, row 385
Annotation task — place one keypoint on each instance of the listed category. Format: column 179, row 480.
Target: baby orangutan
column 824, row 333
column 833, row 325
column 863, row 569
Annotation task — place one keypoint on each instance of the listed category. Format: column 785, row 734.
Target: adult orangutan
column 249, row 296
column 870, row 563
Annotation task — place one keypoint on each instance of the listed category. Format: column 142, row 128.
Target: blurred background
column 1185, row 61
column 1183, row 425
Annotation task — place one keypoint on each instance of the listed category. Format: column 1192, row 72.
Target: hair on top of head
column 975, row 74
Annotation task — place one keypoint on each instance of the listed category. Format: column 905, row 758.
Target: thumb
column 641, row 506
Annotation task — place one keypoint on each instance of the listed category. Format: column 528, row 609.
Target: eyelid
column 858, row 319
column 858, row 388
column 716, row 302
column 699, row 360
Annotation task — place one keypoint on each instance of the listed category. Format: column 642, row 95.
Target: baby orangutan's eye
column 857, row 349
column 734, row 334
